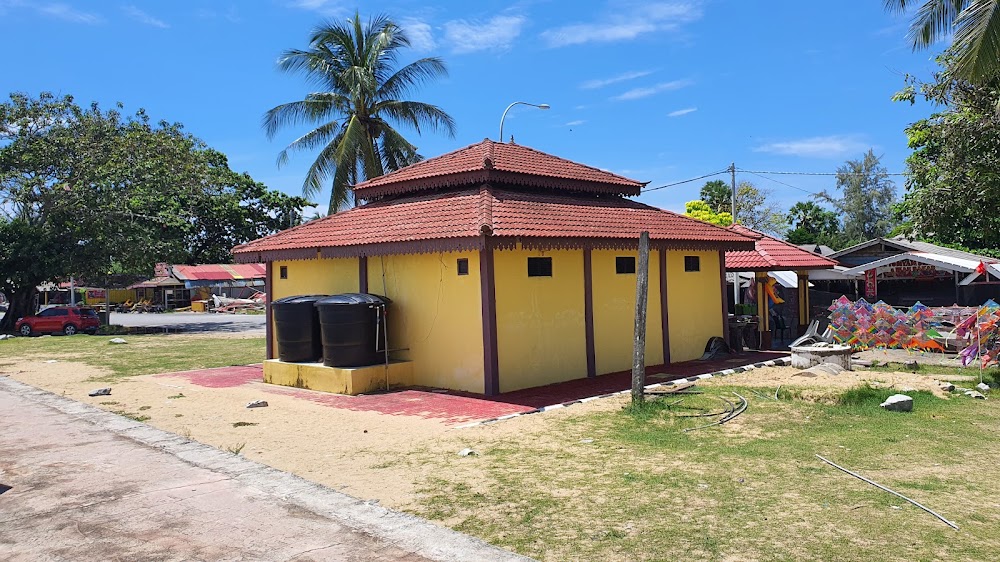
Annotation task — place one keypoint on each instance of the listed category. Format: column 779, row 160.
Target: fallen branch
column 897, row 494
column 776, row 392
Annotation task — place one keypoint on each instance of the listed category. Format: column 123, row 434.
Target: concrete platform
column 78, row 483
column 339, row 380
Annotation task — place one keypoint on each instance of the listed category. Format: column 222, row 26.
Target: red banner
column 95, row 293
column 871, row 284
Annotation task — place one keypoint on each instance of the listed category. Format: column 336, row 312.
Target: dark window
column 463, row 266
column 539, row 267
column 283, row 272
column 692, row 263
column 624, row 264
column 48, row 312
column 88, row 312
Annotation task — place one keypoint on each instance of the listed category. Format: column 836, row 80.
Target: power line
column 813, row 173
column 686, row 181
column 783, row 183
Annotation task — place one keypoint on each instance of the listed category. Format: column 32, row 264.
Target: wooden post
column 639, row 349
column 804, row 312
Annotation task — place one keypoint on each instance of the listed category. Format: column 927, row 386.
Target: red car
column 67, row 320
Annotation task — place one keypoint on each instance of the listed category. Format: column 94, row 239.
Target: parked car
column 67, row 320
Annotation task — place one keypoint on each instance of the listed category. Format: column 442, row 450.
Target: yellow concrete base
column 354, row 380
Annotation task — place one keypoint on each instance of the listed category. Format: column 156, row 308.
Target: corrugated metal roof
column 220, row 272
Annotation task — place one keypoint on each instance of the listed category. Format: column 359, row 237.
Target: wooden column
column 363, row 274
column 803, row 279
column 664, row 322
column 487, row 283
column 588, row 312
column 763, row 314
column 268, row 321
column 725, row 297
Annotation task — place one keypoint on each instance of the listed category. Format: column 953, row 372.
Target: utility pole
column 736, row 275
column 639, row 344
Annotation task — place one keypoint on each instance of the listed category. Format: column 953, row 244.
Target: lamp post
column 539, row 106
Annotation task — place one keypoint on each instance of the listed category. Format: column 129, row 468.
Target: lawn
column 626, row 484
column 142, row 355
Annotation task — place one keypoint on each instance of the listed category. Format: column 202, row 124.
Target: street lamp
column 539, row 106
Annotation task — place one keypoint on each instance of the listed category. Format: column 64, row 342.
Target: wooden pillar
column 487, row 283
column 268, row 321
column 588, row 312
column 725, row 297
column 363, row 274
column 763, row 312
column 664, row 310
column 803, row 279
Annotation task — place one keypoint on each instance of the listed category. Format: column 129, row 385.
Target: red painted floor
column 458, row 408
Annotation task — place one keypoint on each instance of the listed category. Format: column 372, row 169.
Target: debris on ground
column 983, row 387
column 898, row 403
column 6, row 337
column 257, row 404
column 821, row 369
column 106, row 391
column 947, row 387
column 975, row 394
column 51, row 361
column 117, row 341
column 467, row 453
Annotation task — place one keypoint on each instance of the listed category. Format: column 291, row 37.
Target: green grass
column 143, row 355
column 644, row 489
column 991, row 374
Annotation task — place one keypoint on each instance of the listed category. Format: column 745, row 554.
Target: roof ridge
column 424, row 161
column 568, row 161
column 485, row 208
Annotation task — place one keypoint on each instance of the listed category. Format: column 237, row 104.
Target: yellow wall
column 314, row 277
column 614, row 312
column 694, row 301
column 540, row 320
column 436, row 314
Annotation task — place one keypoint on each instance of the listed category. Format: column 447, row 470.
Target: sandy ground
column 369, row 455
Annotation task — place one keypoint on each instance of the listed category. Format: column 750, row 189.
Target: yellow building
column 509, row 268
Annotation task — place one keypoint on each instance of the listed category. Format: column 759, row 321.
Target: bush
column 112, row 330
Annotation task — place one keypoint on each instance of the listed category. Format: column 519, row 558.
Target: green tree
column 718, row 195
column 867, row 198
column 700, row 210
column 974, row 25
column 953, row 180
column 84, row 191
column 811, row 224
column 354, row 64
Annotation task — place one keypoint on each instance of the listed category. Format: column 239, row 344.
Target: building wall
column 614, row 312
column 314, row 277
column 694, row 304
column 436, row 315
column 541, row 336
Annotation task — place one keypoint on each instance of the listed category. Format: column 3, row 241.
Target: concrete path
column 79, row 483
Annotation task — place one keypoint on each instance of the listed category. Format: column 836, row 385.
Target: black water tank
column 296, row 327
column 353, row 328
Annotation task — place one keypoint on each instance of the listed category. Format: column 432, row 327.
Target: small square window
column 692, row 263
column 539, row 267
column 463, row 266
column 283, row 272
column 624, row 264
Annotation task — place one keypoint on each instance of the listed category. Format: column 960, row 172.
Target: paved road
column 85, row 484
column 194, row 322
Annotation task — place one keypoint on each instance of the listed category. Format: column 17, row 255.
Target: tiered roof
column 772, row 254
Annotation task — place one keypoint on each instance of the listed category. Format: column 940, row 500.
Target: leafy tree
column 867, row 197
column 700, row 210
column 976, row 28
column 354, row 63
column 718, row 195
column 811, row 224
column 84, row 191
column 953, row 180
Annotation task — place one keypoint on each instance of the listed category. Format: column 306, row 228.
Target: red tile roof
column 772, row 254
column 219, row 272
column 458, row 220
column 500, row 163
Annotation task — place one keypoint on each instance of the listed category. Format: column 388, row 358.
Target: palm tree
column 976, row 28
column 354, row 65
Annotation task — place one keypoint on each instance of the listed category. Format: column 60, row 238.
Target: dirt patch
column 819, row 385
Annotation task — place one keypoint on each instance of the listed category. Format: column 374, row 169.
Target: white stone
column 117, row 341
column 898, row 403
column 467, row 452
column 983, row 387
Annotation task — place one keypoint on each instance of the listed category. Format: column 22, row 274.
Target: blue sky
column 657, row 91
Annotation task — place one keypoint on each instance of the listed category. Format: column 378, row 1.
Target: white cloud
column 420, row 34
column 575, row 123
column 625, row 25
column 66, row 12
column 142, row 17
column 600, row 83
column 639, row 93
column 681, row 112
column 496, row 34
column 831, row 146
